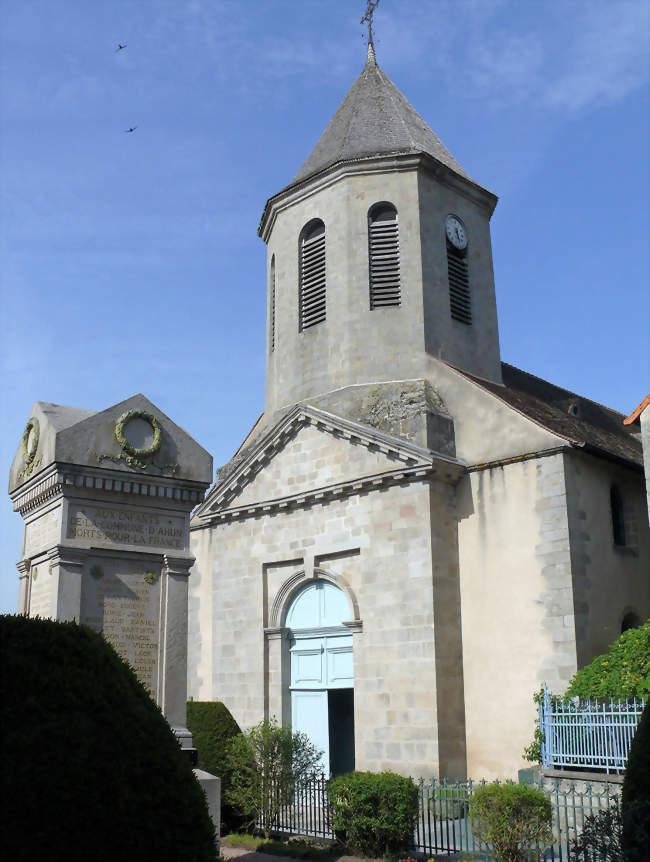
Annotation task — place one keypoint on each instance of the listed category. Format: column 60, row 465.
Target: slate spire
column 375, row 118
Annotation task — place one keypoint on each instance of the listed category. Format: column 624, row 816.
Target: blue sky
column 130, row 262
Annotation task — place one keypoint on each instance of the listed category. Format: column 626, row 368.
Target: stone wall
column 517, row 605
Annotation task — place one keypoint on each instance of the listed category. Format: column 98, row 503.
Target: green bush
column 91, row 769
column 212, row 726
column 512, row 818
column 600, row 838
column 373, row 814
column 636, row 793
column 623, row 671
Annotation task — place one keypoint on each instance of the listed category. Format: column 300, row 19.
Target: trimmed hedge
column 373, row 814
column 212, row 726
column 91, row 769
column 636, row 793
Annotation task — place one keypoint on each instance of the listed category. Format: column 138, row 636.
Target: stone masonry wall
column 381, row 545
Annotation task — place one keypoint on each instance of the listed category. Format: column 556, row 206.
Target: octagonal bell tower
column 379, row 255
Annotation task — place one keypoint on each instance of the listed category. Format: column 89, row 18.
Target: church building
column 414, row 536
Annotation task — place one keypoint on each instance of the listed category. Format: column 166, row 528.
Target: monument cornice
column 366, row 165
column 58, row 478
column 177, row 565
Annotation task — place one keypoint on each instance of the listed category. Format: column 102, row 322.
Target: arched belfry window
column 618, row 518
column 312, row 275
column 272, row 305
column 460, row 300
column 383, row 256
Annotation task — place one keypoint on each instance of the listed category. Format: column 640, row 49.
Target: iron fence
column 587, row 735
column 443, row 824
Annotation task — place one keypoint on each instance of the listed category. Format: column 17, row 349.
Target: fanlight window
column 312, row 275
column 272, row 305
column 383, row 256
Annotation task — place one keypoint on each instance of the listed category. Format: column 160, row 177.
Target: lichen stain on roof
column 375, row 118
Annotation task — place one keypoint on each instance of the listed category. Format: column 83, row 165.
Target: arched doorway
column 322, row 672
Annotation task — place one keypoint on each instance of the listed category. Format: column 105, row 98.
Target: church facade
column 414, row 536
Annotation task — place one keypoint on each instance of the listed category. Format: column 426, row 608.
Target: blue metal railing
column 589, row 735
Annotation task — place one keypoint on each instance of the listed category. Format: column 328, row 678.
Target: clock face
column 455, row 232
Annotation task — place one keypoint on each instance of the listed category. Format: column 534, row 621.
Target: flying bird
column 132, row 129
column 119, row 47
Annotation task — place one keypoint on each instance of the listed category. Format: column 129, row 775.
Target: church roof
column 636, row 413
column 375, row 119
column 583, row 422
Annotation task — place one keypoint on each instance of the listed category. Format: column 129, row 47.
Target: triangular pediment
column 309, row 455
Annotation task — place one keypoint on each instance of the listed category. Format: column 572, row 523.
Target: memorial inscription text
column 100, row 524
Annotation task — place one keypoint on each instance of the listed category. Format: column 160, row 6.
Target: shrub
column 212, row 726
column 623, row 671
column 91, row 769
column 600, row 839
column 513, row 818
column 374, row 814
column 636, row 793
column 267, row 764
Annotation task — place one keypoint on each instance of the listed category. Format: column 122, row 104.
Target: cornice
column 324, row 494
column 387, row 163
column 58, row 478
column 177, row 565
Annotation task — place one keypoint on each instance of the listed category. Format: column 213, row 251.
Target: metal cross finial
column 371, row 5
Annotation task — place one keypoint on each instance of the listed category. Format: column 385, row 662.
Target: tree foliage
column 373, row 814
column 623, row 671
column 267, row 765
column 91, row 769
column 512, row 818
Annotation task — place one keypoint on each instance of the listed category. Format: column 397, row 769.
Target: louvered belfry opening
column 459, row 296
column 272, row 305
column 383, row 256
column 312, row 275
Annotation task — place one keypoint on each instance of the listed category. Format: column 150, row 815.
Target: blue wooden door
column 321, row 659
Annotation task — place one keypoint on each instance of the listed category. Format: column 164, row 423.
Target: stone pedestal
column 106, row 499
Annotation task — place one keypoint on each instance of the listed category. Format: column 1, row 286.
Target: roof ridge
column 563, row 389
column 396, row 106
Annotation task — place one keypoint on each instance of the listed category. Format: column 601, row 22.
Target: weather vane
column 371, row 5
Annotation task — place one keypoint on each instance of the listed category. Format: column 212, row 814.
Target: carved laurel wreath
column 29, row 453
column 124, row 443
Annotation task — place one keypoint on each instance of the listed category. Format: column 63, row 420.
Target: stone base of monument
column 211, row 786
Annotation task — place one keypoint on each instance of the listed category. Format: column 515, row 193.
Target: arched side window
column 618, row 518
column 460, row 300
column 311, row 294
column 272, row 305
column 383, row 256
column 630, row 621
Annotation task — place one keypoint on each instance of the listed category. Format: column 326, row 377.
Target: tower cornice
column 372, row 164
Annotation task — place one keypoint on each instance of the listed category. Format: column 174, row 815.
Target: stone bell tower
column 379, row 255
